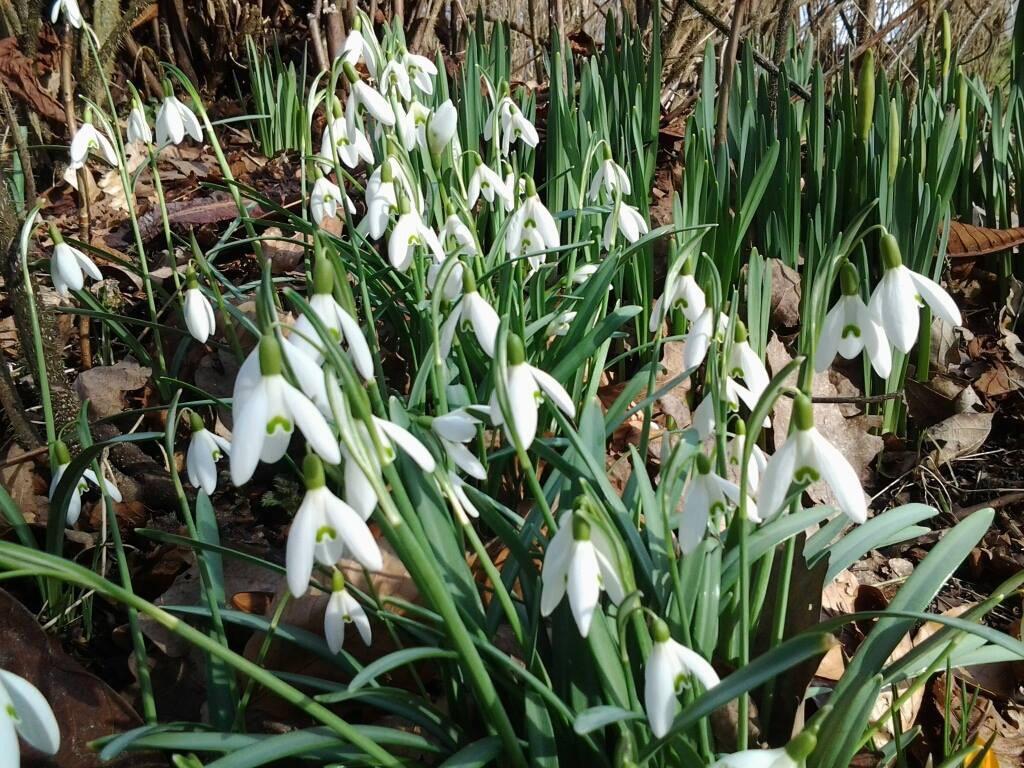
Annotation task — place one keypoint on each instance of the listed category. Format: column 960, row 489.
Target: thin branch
column 739, row 10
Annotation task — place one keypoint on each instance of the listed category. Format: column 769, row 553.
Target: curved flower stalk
column 199, row 317
column 850, row 328
column 339, row 323
column 344, row 609
column 901, row 293
column 63, row 459
column 610, row 180
column 88, row 138
column 745, row 363
column 580, row 562
column 25, row 712
column 410, row 233
column 266, row 414
column 524, row 384
column 624, row 219
column 174, row 120
column 67, row 265
column 807, row 457
column 474, row 311
column 671, row 667
column 486, row 183
column 681, row 292
column 324, row 529
column 205, row 449
column 793, row 755
column 362, row 95
column 531, row 229
column 707, row 497
column 72, row 13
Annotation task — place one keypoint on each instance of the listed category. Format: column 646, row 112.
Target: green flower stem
column 268, row 638
column 165, row 219
column 37, row 334
column 17, row 556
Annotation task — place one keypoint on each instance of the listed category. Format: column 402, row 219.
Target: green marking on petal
column 278, row 421
column 325, row 532
column 851, row 330
column 806, row 475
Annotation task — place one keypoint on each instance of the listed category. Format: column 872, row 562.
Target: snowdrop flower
column 266, row 416
column 627, row 220
column 441, row 128
column 381, row 202
column 454, row 429
column 362, row 95
column 199, row 317
column 900, row 293
column 359, row 47
column 850, row 328
column 474, row 311
column 513, row 125
column 205, row 449
column 524, row 384
column 86, row 139
column 610, row 178
column 560, row 325
column 682, row 292
column 706, row 496
column 67, row 265
column 793, row 755
column 345, row 140
column 421, row 71
column 671, row 666
column 700, row 335
column 744, row 363
column 758, row 461
column 395, row 79
column 339, row 323
column 412, row 125
column 485, row 183
column 324, row 529
column 72, row 13
column 344, row 609
column 579, row 561
column 464, row 503
column 63, row 459
column 325, row 198
column 138, row 125
column 584, row 273
column 410, row 233
column 807, row 457
column 531, row 229
column 174, row 120
column 25, row 712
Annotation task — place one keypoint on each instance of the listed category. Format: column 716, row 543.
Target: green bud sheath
column 313, row 472
column 337, row 581
column 849, row 278
column 468, row 280
column 350, row 72
column 703, row 464
column 801, row 746
column 894, row 140
column 739, row 428
column 803, row 413
column 739, row 332
column 56, row 236
column 660, row 631
column 947, row 44
column 270, row 356
column 61, row 453
column 607, row 153
column 403, row 204
column 190, row 278
column 531, row 188
column 866, row 95
column 891, row 257
column 580, row 528
column 195, row 422
column 386, row 174
column 168, row 89
column 516, row 352
column 323, row 275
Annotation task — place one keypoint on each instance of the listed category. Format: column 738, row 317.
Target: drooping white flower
column 67, row 265
column 339, row 323
column 324, row 529
column 793, row 755
column 199, row 317
column 174, row 121
column 584, row 273
column 454, row 429
column 395, row 80
column 700, row 335
column 512, row 124
column 734, row 455
column 205, row 449
column 485, row 183
column 363, row 95
column 472, row 310
column 381, row 202
column 359, row 47
column 410, row 233
column 579, row 561
column 345, row 140
column 807, row 457
column 72, row 12
column 25, row 712
column 706, row 497
column 441, row 127
column 531, row 229
column 325, row 199
column 266, row 416
column 671, row 667
column 682, row 292
column 308, row 373
column 850, row 328
column 411, row 123
column 87, row 139
column 745, row 363
column 421, row 71
column 524, row 384
column 900, row 294
column 627, row 220
column 138, row 125
column 561, row 324
column 610, row 178
column 344, row 609
column 63, row 459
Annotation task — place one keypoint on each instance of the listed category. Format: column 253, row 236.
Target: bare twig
column 739, row 10
column 313, row 17
column 781, row 26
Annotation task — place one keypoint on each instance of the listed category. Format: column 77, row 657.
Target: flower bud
column 866, row 95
